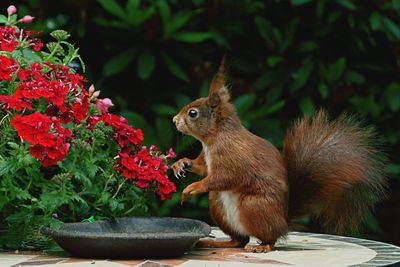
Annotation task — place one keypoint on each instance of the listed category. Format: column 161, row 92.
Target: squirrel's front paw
column 193, row 189
column 181, row 166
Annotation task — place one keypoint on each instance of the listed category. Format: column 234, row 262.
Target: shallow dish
column 134, row 237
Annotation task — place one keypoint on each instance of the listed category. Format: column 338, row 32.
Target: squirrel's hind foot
column 259, row 248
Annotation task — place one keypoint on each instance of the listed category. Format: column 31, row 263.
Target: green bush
column 63, row 156
column 287, row 58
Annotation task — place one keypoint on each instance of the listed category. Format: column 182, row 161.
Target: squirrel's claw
column 180, row 167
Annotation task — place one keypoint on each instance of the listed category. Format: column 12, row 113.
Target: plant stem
column 54, row 51
column 119, row 188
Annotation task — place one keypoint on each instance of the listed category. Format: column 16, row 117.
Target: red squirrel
column 327, row 168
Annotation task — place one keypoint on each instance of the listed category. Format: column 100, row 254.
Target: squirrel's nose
column 175, row 119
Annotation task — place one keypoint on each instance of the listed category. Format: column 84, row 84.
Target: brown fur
column 321, row 161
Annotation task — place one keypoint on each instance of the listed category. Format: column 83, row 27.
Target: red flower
column 146, row 169
column 8, row 38
column 80, row 107
column 7, row 67
column 45, row 146
column 59, row 92
column 33, row 127
column 9, row 45
column 13, row 102
column 123, row 133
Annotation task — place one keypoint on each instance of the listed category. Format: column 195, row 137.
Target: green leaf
column 90, row 219
column 263, row 81
column 6, row 167
column 375, row 21
column 393, row 169
column 348, row 4
column 392, row 93
column 273, row 60
column 264, row 27
column 266, row 110
column 31, row 55
column 307, row 46
column 3, row 19
column 244, row 102
column 274, row 92
column 392, row 27
column 307, row 105
column 146, row 64
column 336, row 70
column 133, row 4
column 367, row 105
column 165, row 11
column 192, row 37
column 323, row 90
column 278, row 38
column 290, row 32
column 299, row 2
column 119, row 62
column 301, row 75
column 182, row 100
column 138, row 16
column 112, row 7
column 355, row 77
column 333, row 17
column 177, row 21
column 174, row 68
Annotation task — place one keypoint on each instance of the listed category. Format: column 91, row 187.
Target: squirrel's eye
column 193, row 113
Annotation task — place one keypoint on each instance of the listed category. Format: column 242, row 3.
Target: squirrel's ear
column 218, row 82
column 213, row 100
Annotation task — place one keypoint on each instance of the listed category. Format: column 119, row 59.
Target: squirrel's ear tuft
column 218, row 82
column 213, row 100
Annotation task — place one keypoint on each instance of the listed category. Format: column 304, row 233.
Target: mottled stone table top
column 298, row 249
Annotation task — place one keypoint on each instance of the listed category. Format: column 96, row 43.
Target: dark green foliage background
column 287, row 58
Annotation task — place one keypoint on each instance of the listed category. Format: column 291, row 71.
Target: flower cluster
column 143, row 165
column 47, row 103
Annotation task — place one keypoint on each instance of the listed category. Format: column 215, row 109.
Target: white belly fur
column 207, row 157
column 230, row 204
column 228, row 199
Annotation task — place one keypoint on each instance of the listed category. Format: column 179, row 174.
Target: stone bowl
column 134, row 237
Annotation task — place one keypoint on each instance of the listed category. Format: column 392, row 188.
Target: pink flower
column 92, row 93
column 26, row 19
column 11, row 10
column 171, row 153
column 91, row 89
column 104, row 104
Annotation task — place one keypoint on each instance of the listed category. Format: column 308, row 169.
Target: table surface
column 298, row 249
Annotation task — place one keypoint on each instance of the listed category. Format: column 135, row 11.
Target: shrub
column 63, row 156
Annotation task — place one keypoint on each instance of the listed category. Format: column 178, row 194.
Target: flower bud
column 104, row 104
column 96, row 94
column 11, row 10
column 171, row 153
column 91, row 89
column 26, row 19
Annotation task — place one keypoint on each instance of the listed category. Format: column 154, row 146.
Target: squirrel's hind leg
column 264, row 218
column 222, row 244
column 239, row 240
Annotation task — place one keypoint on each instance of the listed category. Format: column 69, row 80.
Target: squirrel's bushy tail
column 335, row 171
